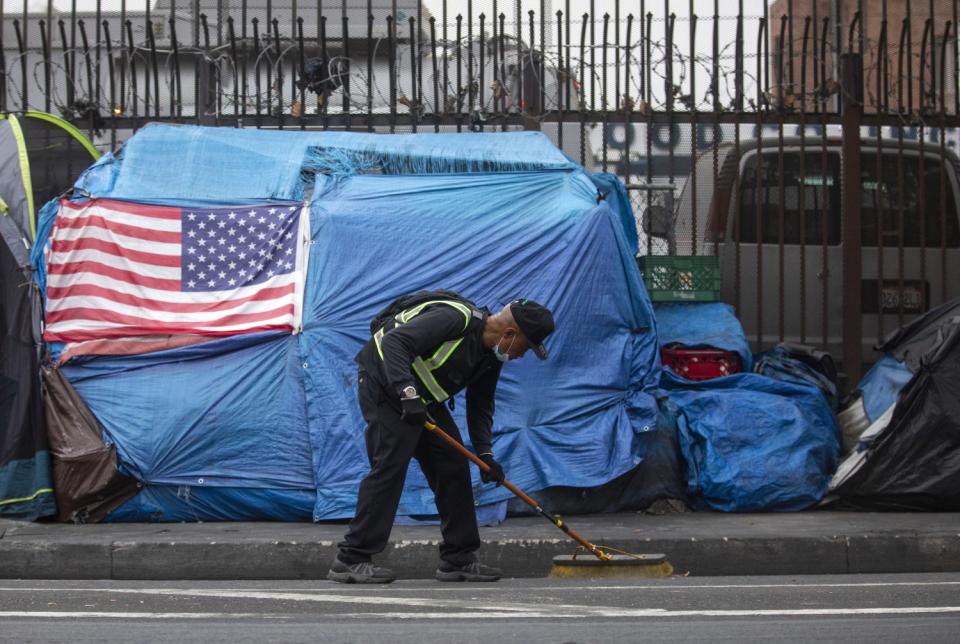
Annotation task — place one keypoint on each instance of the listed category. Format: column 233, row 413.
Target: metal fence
column 810, row 146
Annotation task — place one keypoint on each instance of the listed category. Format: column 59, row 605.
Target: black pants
column 391, row 443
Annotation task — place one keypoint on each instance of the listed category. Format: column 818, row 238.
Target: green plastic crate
column 670, row 278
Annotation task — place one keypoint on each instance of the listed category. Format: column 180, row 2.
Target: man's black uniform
column 431, row 335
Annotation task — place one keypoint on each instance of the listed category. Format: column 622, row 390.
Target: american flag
column 119, row 269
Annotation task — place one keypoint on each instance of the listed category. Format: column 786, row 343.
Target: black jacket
column 472, row 366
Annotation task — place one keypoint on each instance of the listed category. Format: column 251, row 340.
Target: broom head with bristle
column 625, row 565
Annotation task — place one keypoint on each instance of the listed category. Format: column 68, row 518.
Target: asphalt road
column 861, row 608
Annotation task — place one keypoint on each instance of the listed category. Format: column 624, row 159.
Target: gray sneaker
column 359, row 573
column 475, row 571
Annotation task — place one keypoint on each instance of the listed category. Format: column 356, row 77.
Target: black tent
column 40, row 157
column 914, row 462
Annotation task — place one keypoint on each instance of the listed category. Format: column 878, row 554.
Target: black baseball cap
column 535, row 322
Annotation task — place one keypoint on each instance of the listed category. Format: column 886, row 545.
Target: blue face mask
column 503, row 356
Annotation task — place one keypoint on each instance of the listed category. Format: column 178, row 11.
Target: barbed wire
column 659, row 79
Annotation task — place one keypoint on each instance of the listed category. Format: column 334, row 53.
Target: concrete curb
column 714, row 545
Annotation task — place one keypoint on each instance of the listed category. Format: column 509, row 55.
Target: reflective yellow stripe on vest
column 425, row 368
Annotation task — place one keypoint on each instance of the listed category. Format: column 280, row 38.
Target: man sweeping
column 425, row 348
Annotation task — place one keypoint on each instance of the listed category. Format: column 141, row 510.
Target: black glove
column 495, row 473
column 414, row 411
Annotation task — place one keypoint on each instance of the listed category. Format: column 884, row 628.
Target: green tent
column 40, row 157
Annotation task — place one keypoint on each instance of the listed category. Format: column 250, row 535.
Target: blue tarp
column 200, row 503
column 218, row 413
column 752, row 443
column 882, row 384
column 217, row 164
column 658, row 476
column 157, row 503
column 703, row 324
column 493, row 216
column 615, row 194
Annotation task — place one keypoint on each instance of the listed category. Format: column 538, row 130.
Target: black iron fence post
column 851, row 119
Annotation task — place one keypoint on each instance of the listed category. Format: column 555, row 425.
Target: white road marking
column 657, row 612
column 666, row 586
column 312, row 597
column 538, row 614
column 140, row 615
column 466, row 608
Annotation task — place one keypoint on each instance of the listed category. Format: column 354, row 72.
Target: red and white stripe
column 113, row 271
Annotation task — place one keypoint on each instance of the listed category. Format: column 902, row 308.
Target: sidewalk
column 700, row 543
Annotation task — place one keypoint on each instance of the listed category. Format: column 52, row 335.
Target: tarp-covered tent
column 752, row 443
column 40, row 156
column 749, row 442
column 902, row 351
column 266, row 425
column 909, row 459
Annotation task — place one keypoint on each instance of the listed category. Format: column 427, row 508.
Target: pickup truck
column 773, row 221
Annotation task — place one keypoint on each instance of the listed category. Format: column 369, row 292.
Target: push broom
column 602, row 564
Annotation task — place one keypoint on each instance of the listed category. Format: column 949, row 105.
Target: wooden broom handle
column 449, row 440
